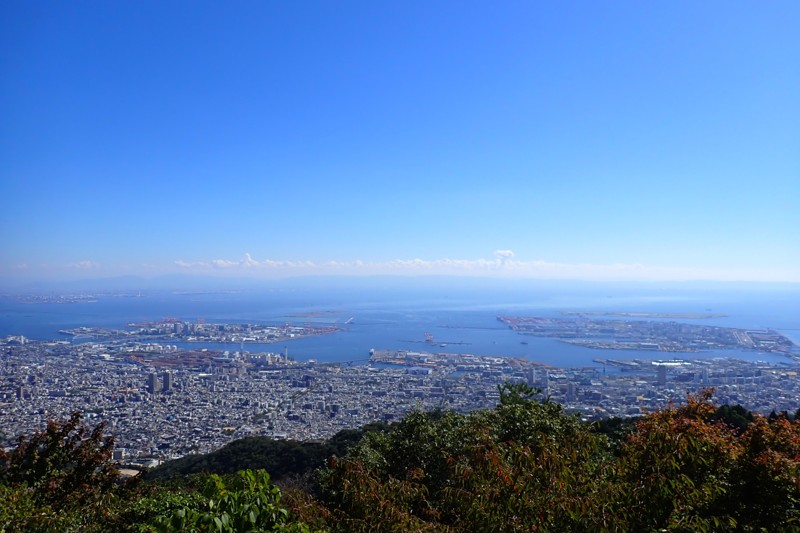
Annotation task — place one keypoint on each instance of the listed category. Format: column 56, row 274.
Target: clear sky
column 590, row 140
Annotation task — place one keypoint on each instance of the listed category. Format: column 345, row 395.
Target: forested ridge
column 525, row 465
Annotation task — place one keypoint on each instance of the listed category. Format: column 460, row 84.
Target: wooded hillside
column 525, row 465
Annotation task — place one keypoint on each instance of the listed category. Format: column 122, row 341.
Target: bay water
column 461, row 320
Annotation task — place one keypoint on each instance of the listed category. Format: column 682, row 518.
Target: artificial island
column 656, row 335
column 174, row 330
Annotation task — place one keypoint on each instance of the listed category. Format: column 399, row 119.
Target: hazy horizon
column 435, row 283
column 624, row 142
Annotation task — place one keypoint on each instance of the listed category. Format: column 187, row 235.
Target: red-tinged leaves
column 65, row 463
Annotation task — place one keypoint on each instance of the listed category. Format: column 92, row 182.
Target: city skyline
column 624, row 142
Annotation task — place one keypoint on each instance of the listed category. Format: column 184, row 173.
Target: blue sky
column 588, row 140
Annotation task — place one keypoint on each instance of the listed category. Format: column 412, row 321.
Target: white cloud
column 503, row 264
column 504, row 255
column 249, row 261
column 84, row 265
column 185, row 264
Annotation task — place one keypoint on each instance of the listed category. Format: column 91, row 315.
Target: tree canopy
column 526, row 465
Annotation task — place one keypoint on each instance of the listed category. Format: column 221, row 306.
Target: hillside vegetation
column 525, row 465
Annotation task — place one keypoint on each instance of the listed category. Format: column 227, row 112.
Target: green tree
column 516, row 393
column 675, row 470
column 66, row 460
column 523, row 464
column 735, row 416
column 65, row 472
column 245, row 502
column 765, row 480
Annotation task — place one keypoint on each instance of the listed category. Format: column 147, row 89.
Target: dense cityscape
column 162, row 402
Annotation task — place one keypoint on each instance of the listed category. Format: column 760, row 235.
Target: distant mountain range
column 185, row 282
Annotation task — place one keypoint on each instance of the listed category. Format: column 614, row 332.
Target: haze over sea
column 461, row 316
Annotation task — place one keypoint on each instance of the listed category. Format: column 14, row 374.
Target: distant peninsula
column 641, row 314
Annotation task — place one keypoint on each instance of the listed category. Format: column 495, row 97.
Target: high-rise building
column 661, row 372
column 570, row 391
column 530, row 375
column 153, row 386
column 167, row 380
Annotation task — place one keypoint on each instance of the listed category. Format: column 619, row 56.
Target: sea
column 460, row 319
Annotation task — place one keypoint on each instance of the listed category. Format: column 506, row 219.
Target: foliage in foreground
column 247, row 502
column 525, row 465
column 281, row 458
column 62, row 479
column 528, row 466
column 57, row 479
